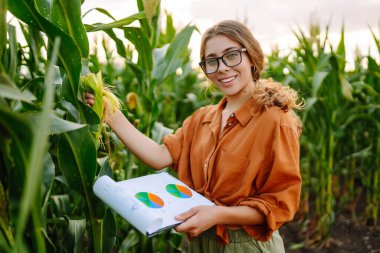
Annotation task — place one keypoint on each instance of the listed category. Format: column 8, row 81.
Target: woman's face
column 232, row 81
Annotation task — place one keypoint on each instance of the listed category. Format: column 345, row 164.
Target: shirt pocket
column 229, row 173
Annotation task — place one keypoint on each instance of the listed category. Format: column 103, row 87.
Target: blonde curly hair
column 267, row 93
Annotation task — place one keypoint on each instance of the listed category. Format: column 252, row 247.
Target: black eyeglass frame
column 202, row 64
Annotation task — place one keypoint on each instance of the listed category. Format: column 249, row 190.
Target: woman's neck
column 236, row 101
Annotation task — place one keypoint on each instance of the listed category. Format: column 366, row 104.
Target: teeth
column 228, row 79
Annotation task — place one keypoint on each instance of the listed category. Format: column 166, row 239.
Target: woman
column 242, row 154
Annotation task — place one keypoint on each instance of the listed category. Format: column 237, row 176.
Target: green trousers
column 240, row 242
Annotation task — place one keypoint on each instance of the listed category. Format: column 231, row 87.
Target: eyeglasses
column 230, row 59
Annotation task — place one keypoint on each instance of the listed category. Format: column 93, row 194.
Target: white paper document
column 150, row 203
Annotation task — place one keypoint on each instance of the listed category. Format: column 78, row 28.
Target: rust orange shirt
column 254, row 163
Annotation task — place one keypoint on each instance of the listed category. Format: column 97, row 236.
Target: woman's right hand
column 89, row 99
column 108, row 109
column 155, row 155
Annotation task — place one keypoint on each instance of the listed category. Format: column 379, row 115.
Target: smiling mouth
column 227, row 80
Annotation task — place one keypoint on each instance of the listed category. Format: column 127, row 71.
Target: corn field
column 340, row 146
column 53, row 146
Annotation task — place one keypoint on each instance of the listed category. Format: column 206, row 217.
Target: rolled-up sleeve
column 279, row 186
column 175, row 142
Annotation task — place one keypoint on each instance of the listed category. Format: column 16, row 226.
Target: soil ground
column 346, row 236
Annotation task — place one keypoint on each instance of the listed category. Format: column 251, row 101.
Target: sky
column 272, row 21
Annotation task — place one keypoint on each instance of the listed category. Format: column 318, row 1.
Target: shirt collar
column 215, row 112
column 244, row 114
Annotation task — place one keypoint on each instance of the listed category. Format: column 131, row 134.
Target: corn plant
column 65, row 215
column 73, row 149
column 339, row 145
column 155, row 89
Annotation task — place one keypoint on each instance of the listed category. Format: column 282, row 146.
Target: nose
column 222, row 65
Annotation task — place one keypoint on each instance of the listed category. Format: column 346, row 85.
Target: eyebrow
column 224, row 51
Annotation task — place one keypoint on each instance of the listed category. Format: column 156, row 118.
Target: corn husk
column 106, row 103
column 93, row 83
column 150, row 7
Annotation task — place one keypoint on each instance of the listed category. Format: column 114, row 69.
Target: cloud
column 271, row 21
column 276, row 16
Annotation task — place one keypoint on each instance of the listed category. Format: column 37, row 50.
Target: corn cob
column 106, row 103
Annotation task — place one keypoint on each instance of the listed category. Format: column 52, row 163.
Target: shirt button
column 232, row 115
column 229, row 124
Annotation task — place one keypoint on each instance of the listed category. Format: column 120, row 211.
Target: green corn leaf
column 168, row 65
column 359, row 117
column 120, row 47
column 137, row 71
column 116, row 24
column 74, row 235
column 72, row 112
column 77, row 160
column 298, row 76
column 48, row 174
column 16, row 138
column 341, row 51
column 150, row 25
column 159, row 131
column 9, row 90
column 4, row 247
column 101, row 10
column 66, row 14
column 13, row 61
column 3, row 29
column 36, row 42
column 144, row 23
column 108, row 232
column 61, row 204
column 139, row 39
column 377, row 40
column 318, row 79
column 373, row 66
column 15, row 127
column 35, row 163
column 58, row 125
column 365, row 88
column 131, row 242
column 170, row 30
column 4, row 220
column 69, row 53
column 363, row 154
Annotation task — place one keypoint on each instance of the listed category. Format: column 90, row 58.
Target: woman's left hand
column 197, row 219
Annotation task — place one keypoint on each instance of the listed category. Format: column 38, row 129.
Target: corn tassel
column 111, row 103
